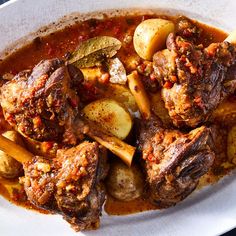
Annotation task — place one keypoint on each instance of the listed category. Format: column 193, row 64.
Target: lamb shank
column 41, row 103
column 173, row 161
column 70, row 184
column 194, row 79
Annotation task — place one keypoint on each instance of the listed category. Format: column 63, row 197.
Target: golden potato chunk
column 125, row 183
column 122, row 94
column 150, row 36
column 111, row 116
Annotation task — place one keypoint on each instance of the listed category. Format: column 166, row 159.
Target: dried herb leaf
column 94, row 51
column 117, row 71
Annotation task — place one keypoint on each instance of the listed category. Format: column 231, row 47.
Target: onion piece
column 117, row 71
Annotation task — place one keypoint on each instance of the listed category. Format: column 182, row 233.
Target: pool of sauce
column 116, row 207
column 14, row 192
column 57, row 45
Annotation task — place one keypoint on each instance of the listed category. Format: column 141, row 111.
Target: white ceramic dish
column 211, row 211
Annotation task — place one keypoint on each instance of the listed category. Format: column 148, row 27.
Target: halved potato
column 117, row 92
column 121, row 94
column 111, row 116
column 150, row 36
column 124, row 183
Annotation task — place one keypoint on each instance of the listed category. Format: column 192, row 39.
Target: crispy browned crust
column 70, row 185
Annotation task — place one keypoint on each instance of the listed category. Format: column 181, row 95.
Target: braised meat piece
column 187, row 29
column 43, row 103
column 173, row 161
column 194, row 79
column 218, row 143
column 71, row 184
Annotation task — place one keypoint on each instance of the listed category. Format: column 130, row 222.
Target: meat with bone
column 71, row 184
column 43, row 103
column 173, row 161
column 194, row 79
column 43, row 106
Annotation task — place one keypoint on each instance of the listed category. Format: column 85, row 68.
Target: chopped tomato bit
column 173, row 78
column 168, row 84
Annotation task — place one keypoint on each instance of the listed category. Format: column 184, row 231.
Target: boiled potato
column 124, row 183
column 111, row 116
column 117, row 92
column 150, row 36
column 231, row 145
column 9, row 167
column 122, row 94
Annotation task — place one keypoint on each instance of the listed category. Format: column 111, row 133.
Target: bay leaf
column 94, row 51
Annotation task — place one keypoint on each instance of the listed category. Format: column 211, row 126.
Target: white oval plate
column 211, row 211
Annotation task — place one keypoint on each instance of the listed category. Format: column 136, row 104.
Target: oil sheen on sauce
column 57, row 45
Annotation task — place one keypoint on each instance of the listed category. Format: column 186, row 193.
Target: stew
column 138, row 110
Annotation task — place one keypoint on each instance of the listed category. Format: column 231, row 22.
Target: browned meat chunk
column 43, row 103
column 187, row 29
column 71, row 184
column 173, row 161
column 195, row 80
